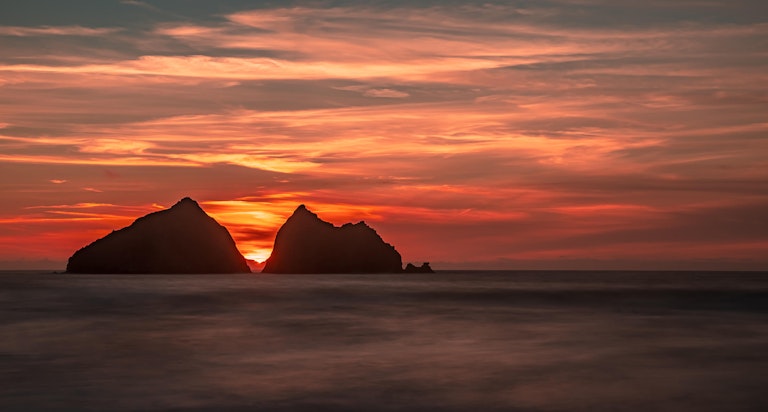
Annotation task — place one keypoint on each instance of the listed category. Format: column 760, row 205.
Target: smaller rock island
column 307, row 244
column 424, row 268
column 182, row 239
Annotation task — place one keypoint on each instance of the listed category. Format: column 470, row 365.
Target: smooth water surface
column 454, row 341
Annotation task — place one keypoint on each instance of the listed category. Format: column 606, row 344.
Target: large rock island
column 182, row 239
column 307, row 244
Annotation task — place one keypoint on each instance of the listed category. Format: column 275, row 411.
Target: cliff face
column 182, row 239
column 307, row 244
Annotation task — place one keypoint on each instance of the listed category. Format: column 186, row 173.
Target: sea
column 449, row 341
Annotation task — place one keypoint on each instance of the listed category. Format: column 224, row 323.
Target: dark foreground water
column 463, row 341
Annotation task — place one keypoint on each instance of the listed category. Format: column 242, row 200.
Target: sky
column 548, row 134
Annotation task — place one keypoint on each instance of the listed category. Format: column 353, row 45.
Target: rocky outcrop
column 424, row 268
column 307, row 244
column 182, row 239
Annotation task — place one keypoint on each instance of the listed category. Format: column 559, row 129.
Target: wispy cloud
column 585, row 128
column 23, row 31
column 386, row 93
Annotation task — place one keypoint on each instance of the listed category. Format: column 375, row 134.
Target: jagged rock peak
column 303, row 211
column 186, row 201
column 303, row 217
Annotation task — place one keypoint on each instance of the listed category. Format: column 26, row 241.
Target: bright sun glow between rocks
column 258, row 255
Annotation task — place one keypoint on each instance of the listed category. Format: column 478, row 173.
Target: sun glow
column 259, row 255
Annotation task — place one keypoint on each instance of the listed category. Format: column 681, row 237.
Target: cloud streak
column 502, row 132
column 21, row 31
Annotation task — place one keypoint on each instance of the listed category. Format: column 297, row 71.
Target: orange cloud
column 478, row 131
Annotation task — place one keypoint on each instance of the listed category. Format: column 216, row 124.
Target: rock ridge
column 307, row 244
column 180, row 239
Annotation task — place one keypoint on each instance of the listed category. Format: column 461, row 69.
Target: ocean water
column 452, row 341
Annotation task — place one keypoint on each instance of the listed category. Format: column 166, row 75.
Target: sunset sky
column 585, row 134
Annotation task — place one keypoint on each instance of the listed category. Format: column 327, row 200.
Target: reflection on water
column 536, row 341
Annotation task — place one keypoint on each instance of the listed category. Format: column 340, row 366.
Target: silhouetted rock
column 306, row 244
column 424, row 268
column 182, row 239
